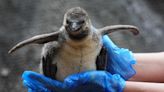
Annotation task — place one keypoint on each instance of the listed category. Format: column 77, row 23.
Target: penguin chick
column 76, row 47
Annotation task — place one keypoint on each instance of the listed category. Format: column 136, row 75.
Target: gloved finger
column 85, row 77
column 38, row 81
column 33, row 86
column 107, row 43
column 117, row 83
column 75, row 80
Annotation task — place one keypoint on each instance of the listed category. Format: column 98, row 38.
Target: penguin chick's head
column 77, row 23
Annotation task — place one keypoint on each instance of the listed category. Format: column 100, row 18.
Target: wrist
column 132, row 86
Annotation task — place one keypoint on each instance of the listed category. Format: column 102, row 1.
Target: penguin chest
column 77, row 59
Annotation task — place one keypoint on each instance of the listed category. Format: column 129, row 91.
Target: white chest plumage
column 76, row 57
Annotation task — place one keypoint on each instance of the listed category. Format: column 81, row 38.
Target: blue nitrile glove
column 91, row 81
column 120, row 60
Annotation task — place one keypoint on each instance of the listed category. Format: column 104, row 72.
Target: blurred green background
column 21, row 19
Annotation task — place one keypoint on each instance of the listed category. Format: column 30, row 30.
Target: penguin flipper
column 49, row 67
column 101, row 61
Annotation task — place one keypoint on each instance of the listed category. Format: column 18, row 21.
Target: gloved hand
column 91, row 81
column 120, row 60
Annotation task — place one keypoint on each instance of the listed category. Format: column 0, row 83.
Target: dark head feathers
column 76, row 13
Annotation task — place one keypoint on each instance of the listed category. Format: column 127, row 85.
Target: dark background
column 21, row 19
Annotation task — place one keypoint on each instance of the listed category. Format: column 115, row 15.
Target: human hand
column 119, row 60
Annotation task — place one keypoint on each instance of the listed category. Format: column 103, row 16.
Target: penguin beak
column 73, row 27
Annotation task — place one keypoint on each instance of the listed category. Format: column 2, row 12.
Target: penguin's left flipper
column 101, row 61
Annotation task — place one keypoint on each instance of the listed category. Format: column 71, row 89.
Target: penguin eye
column 68, row 22
column 81, row 22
